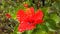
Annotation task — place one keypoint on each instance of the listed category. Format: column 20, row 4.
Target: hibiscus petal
column 21, row 28
column 21, row 15
column 25, row 26
column 30, row 12
column 32, row 9
column 38, row 16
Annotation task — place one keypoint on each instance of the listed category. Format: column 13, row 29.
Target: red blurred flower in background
column 25, row 5
column 28, row 19
column 8, row 15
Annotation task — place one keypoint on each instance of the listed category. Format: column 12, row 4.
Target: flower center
column 30, row 22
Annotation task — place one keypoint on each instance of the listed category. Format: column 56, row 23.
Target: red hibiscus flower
column 8, row 15
column 25, row 5
column 28, row 19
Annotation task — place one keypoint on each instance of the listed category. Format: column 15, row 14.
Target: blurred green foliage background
column 51, row 9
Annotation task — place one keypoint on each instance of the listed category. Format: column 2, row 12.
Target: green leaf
column 39, row 32
column 51, row 24
column 44, row 28
column 55, row 17
column 45, row 10
column 29, row 32
column 15, row 29
column 19, row 32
